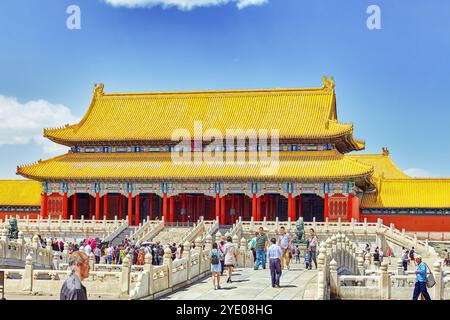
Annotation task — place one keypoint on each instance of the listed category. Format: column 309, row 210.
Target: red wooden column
column 349, row 206
column 290, row 206
column 300, row 205
column 326, row 206
column 65, row 205
column 150, row 206
column 218, row 207
column 238, row 207
column 184, row 205
column 255, row 218
column 223, row 210
column 293, row 210
column 74, row 206
column 44, row 200
column 258, row 209
column 105, row 206
column 97, row 206
column 130, row 209
column 164, row 208
column 137, row 215
column 233, row 218
column 266, row 205
column 172, row 209
column 119, row 207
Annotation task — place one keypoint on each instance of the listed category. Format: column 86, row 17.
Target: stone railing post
column 314, row 226
column 235, row 240
column 361, row 266
column 346, row 252
column 367, row 260
column 92, row 261
column 148, row 266
column 27, row 280
column 35, row 246
column 218, row 236
column 400, row 270
column 334, row 281
column 343, row 244
column 329, row 246
column 208, row 242
column 198, row 242
column 242, row 256
column 339, row 249
column 187, row 255
column 438, row 276
column 21, row 245
column 339, row 224
column 333, row 247
column 125, row 276
column 167, row 261
column 66, row 253
column 4, row 237
column 56, row 260
column 365, row 225
column 48, row 259
column 321, row 286
column 385, row 286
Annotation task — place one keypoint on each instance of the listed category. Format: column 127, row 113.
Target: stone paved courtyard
column 249, row 284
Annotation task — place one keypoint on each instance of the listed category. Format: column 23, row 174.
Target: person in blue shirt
column 421, row 280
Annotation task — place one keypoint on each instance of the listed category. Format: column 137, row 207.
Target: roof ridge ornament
column 98, row 89
column 385, row 151
column 328, row 84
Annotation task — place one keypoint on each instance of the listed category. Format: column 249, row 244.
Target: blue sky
column 391, row 83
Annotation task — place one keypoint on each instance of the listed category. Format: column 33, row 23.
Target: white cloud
column 182, row 4
column 23, row 123
column 418, row 173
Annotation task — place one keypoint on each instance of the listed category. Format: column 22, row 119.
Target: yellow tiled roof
column 20, row 193
column 409, row 193
column 293, row 166
column 305, row 114
column 382, row 165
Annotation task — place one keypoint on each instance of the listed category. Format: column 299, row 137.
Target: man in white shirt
column 274, row 255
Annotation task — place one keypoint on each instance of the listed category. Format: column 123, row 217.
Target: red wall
column 413, row 223
column 32, row 215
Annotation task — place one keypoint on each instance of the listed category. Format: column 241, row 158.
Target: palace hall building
column 120, row 163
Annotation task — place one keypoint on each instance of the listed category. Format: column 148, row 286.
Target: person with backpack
column 215, row 256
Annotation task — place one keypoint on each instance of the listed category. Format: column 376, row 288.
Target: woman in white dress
column 230, row 253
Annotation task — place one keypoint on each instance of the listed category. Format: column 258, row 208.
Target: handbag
column 430, row 279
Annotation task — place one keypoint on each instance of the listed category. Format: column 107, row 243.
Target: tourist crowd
column 108, row 253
